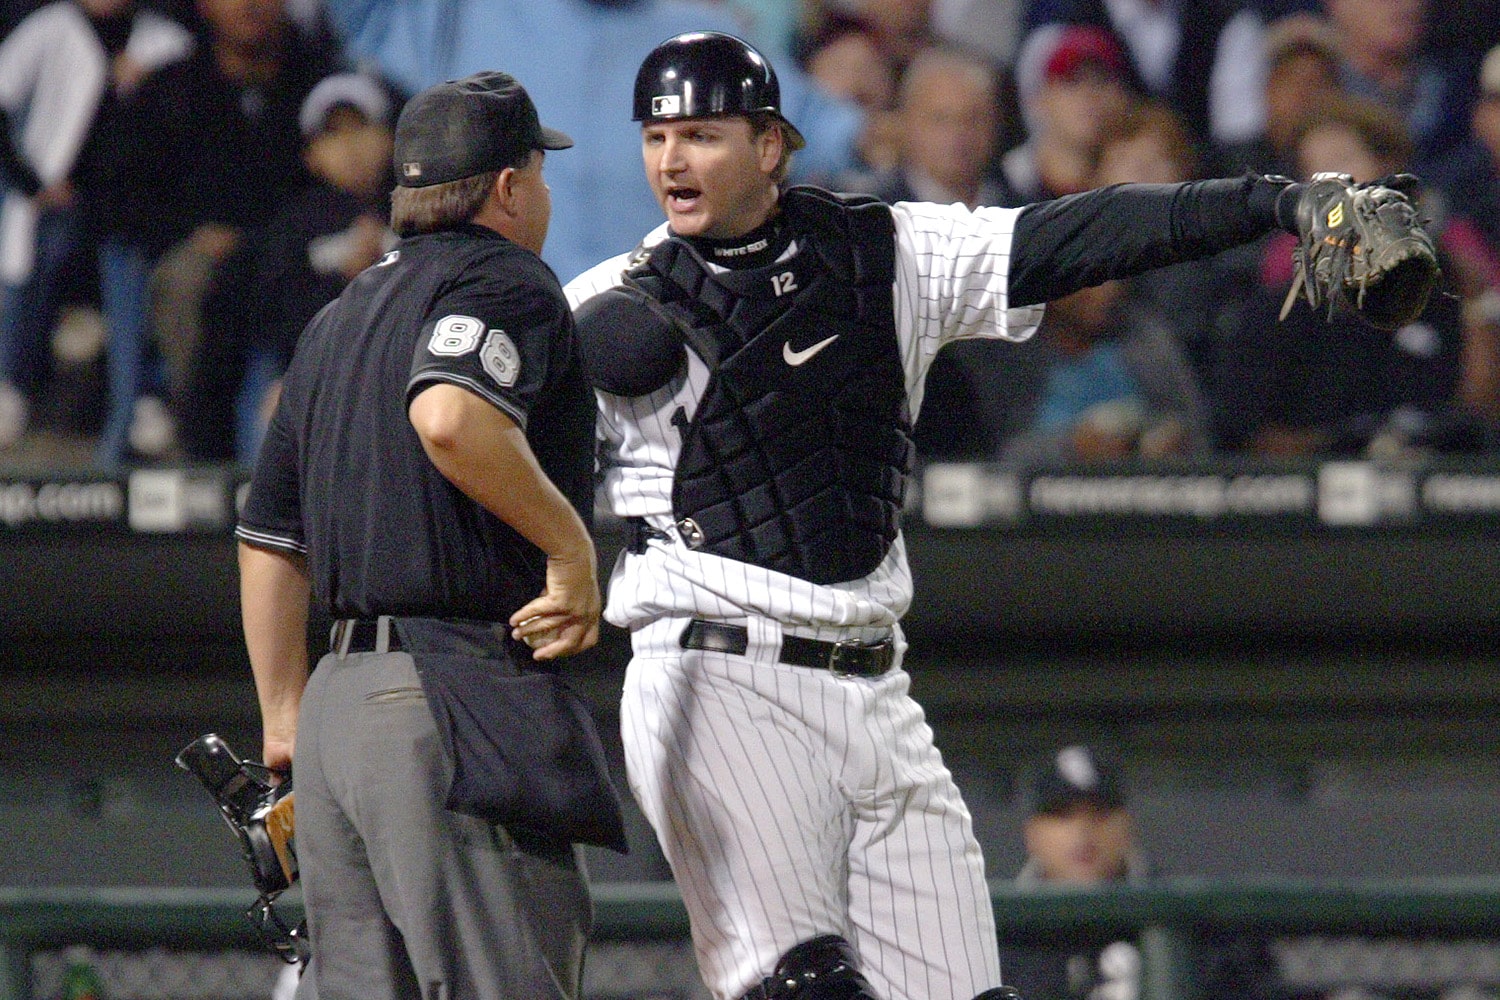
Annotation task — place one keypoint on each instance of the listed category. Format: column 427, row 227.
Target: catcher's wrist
column 1284, row 210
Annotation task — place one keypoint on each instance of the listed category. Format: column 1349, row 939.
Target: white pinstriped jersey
column 952, row 266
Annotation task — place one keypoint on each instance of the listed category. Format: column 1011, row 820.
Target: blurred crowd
column 186, row 182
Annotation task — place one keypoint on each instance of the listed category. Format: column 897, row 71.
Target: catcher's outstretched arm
column 1085, row 239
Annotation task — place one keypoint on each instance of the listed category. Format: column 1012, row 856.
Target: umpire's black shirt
column 342, row 476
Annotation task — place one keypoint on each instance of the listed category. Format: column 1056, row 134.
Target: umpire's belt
column 846, row 658
column 364, row 635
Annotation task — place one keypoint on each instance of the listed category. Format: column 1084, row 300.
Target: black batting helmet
column 703, row 73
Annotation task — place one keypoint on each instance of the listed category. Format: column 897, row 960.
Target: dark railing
column 1166, row 917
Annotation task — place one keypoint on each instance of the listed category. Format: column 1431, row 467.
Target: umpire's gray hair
column 439, row 206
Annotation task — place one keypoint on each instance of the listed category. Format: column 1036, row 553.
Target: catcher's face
column 712, row 176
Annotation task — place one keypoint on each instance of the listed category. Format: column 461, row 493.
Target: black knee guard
column 823, row 968
column 999, row 993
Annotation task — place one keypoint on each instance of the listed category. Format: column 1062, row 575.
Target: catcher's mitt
column 1363, row 247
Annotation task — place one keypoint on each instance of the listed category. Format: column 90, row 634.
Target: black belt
column 363, row 636
column 845, row 658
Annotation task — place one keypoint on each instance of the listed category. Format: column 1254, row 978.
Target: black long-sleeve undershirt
column 1086, row 239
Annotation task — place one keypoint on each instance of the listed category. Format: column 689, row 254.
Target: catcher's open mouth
column 682, row 197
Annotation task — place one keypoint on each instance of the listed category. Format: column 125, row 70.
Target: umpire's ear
column 518, row 205
column 506, row 193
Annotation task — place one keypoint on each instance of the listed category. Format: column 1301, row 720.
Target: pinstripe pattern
column 795, row 803
column 790, row 802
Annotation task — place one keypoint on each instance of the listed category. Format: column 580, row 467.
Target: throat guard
column 798, row 454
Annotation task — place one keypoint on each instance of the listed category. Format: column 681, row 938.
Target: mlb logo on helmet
column 666, row 104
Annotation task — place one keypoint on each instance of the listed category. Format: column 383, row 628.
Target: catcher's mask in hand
column 261, row 814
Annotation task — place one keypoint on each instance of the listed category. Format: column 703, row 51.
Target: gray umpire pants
column 406, row 899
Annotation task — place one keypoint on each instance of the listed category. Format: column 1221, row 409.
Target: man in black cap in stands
column 427, row 479
column 1081, row 832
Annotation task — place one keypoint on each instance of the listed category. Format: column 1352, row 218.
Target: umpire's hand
column 565, row 619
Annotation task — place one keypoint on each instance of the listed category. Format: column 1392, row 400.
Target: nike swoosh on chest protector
column 795, row 358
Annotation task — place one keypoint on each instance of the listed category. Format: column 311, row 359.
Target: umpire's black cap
column 702, row 73
column 465, row 127
column 1078, row 774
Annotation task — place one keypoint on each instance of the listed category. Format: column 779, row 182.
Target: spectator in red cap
column 1071, row 84
column 1080, row 45
column 1202, row 59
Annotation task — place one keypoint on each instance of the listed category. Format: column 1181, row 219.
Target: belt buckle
column 842, row 661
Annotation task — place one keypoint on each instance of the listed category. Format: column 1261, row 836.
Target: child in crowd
column 332, row 230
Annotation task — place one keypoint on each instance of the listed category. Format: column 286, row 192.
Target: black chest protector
column 798, row 455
